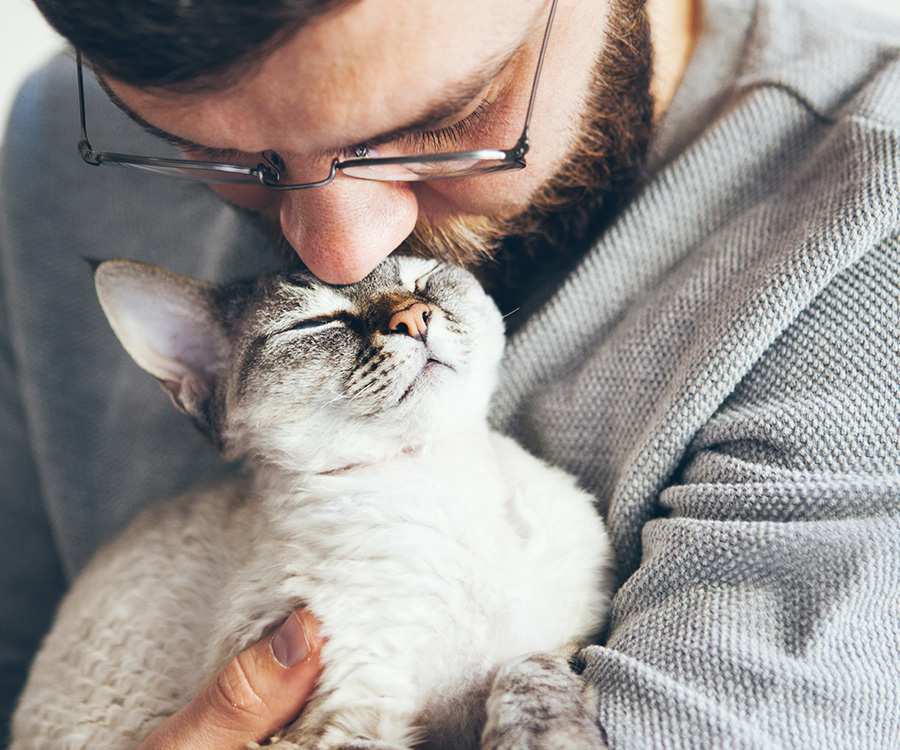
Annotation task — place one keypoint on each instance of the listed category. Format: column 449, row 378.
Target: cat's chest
column 471, row 531
column 457, row 490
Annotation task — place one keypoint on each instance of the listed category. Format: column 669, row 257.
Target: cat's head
column 291, row 371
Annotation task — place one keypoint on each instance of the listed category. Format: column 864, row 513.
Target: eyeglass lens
column 197, row 174
column 413, row 171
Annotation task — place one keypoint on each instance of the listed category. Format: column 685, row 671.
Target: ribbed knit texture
column 722, row 370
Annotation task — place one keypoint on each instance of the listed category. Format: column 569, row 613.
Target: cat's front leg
column 539, row 703
column 284, row 744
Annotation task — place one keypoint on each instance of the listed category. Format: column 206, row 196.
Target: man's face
column 457, row 75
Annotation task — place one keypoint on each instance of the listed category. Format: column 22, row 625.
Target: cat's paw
column 276, row 743
column 539, row 703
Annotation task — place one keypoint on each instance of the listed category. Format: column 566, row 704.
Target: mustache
column 468, row 241
column 465, row 241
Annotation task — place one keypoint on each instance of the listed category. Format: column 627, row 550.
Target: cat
column 439, row 556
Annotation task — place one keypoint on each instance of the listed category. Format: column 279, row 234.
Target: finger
column 257, row 693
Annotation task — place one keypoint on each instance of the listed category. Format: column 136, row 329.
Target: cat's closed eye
column 314, row 324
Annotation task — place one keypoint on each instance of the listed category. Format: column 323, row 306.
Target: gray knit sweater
column 722, row 370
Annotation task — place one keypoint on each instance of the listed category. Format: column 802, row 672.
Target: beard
column 603, row 168
column 514, row 257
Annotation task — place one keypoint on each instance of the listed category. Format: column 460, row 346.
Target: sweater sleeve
column 764, row 613
column 31, row 578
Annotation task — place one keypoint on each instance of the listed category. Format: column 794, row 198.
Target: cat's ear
column 170, row 325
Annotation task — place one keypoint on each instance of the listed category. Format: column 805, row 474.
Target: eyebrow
column 460, row 96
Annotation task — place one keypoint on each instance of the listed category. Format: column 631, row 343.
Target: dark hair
column 179, row 44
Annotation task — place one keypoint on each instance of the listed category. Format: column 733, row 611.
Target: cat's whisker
column 337, row 397
column 364, row 390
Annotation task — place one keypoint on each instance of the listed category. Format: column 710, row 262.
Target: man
column 707, row 337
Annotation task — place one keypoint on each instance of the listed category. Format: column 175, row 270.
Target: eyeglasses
column 268, row 173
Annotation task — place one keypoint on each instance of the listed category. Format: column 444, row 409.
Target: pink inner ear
column 181, row 333
column 168, row 323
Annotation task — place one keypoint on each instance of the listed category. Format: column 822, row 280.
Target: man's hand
column 257, row 693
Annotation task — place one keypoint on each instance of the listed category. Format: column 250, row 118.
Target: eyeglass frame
column 268, row 172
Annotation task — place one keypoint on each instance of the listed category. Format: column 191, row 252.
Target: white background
column 26, row 41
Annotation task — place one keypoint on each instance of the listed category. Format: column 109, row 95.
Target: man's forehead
column 349, row 76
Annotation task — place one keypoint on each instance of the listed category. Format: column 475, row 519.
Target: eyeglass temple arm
column 523, row 145
column 84, row 145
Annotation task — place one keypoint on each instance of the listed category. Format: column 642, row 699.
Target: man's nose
column 343, row 230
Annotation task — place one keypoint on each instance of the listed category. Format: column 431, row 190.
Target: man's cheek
column 500, row 196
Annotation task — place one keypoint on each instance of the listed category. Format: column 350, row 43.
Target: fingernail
column 289, row 644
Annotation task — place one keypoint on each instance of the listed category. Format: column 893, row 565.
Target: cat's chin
column 429, row 378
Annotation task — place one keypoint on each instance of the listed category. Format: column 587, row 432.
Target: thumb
column 258, row 692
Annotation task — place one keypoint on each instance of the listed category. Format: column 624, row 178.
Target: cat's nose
column 411, row 320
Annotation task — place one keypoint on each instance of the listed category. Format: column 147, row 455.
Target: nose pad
column 411, row 320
